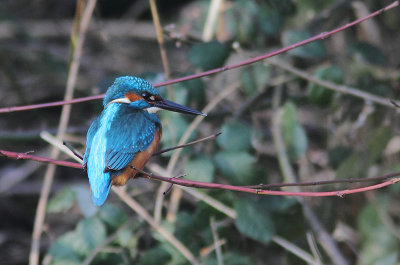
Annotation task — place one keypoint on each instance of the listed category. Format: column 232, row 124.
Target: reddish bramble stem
column 18, row 156
column 214, row 71
column 205, row 185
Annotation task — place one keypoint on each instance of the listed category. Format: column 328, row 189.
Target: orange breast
column 139, row 161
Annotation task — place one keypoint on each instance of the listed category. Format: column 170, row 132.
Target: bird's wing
column 130, row 133
column 91, row 132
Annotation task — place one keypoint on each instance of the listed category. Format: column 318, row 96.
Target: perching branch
column 205, row 185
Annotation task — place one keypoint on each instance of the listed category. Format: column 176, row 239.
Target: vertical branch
column 213, row 12
column 77, row 40
column 323, row 236
column 160, row 40
column 217, row 246
column 176, row 154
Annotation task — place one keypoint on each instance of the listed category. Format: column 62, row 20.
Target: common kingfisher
column 125, row 135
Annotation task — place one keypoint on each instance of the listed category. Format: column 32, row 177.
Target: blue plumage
column 124, row 129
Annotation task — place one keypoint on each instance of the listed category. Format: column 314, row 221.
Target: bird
column 125, row 135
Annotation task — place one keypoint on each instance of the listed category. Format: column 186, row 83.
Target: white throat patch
column 153, row 109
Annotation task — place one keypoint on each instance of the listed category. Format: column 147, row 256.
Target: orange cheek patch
column 133, row 97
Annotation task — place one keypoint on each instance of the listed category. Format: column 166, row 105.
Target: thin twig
column 188, row 144
column 160, row 40
column 77, row 40
column 72, row 149
column 212, row 15
column 199, row 195
column 313, row 246
column 217, row 70
column 59, row 144
column 207, row 250
column 295, row 250
column 339, row 88
column 217, row 246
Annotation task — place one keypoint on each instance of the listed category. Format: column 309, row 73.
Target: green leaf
column 284, row 210
column 313, row 50
column 65, row 261
column 231, row 258
column 389, row 259
column 236, row 136
column 254, row 221
column 209, row 55
column 196, row 92
column 62, row 201
column 358, row 163
column 174, row 126
column 64, row 249
column 337, row 155
column 270, row 20
column 293, row 133
column 195, row 239
column 93, row 231
column 112, row 215
column 126, row 238
column 200, row 169
column 153, row 256
column 180, row 94
column 254, row 78
column 377, row 143
column 377, row 241
column 83, row 196
column 367, row 53
column 241, row 21
column 352, row 167
column 319, row 94
column 237, row 167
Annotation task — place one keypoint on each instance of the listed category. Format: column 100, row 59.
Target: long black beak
column 172, row 106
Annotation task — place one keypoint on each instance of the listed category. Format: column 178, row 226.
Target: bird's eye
column 148, row 96
column 145, row 95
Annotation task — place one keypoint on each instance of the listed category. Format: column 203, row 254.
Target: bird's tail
column 100, row 195
column 100, row 184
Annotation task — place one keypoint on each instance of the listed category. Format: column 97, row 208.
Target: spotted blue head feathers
column 125, row 134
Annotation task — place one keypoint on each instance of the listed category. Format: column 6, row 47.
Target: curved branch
column 320, row 36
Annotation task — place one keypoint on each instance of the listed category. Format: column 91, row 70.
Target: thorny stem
column 320, row 36
column 206, row 185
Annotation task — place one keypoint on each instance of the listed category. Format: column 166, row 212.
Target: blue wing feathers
column 131, row 132
column 91, row 132
column 113, row 140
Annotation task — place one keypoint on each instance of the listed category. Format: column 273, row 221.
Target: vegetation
column 318, row 112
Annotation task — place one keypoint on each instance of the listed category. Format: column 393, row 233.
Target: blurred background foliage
column 328, row 135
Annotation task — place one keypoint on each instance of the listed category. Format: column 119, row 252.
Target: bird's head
column 140, row 94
